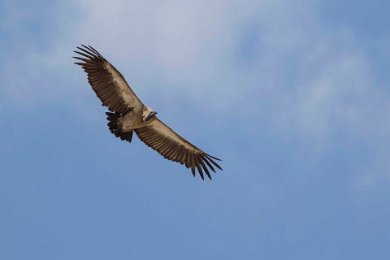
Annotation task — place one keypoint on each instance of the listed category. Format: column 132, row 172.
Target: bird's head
column 148, row 113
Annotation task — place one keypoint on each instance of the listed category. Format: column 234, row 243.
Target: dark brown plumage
column 129, row 114
column 174, row 148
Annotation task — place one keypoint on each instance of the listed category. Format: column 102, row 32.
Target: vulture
column 127, row 114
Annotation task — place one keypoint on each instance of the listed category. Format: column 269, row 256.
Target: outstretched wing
column 107, row 82
column 164, row 140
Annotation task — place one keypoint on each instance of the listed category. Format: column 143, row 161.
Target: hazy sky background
column 294, row 96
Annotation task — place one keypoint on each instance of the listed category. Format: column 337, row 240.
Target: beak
column 150, row 115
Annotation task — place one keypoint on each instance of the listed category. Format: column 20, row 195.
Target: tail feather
column 115, row 128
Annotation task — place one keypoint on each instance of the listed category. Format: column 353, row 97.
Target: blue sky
column 293, row 96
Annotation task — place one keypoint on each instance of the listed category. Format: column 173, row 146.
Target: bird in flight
column 127, row 114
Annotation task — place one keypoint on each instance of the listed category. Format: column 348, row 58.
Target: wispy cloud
column 263, row 62
column 267, row 55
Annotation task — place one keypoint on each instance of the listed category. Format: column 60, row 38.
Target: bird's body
column 128, row 115
column 133, row 119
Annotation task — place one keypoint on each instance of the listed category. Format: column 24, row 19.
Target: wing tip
column 215, row 158
column 211, row 159
column 88, row 51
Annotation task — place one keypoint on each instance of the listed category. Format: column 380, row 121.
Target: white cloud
column 252, row 63
column 274, row 57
